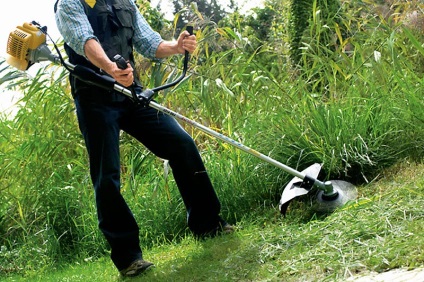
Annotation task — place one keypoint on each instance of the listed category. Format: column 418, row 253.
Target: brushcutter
column 27, row 45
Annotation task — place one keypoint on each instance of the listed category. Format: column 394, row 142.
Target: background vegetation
column 354, row 105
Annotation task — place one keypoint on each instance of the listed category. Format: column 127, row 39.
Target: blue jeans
column 101, row 116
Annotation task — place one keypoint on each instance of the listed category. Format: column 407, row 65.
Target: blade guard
column 298, row 187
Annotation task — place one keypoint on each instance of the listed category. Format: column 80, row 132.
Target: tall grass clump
column 363, row 117
column 46, row 208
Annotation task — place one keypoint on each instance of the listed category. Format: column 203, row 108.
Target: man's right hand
column 124, row 77
column 97, row 56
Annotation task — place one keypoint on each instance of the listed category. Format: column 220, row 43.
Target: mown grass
column 379, row 231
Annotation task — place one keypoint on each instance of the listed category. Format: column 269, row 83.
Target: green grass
column 381, row 230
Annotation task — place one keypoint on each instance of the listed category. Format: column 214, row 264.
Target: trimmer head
column 330, row 196
column 345, row 192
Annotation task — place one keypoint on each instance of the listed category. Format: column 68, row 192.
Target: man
column 94, row 32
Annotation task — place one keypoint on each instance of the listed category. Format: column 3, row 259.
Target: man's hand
column 186, row 42
column 97, row 56
column 124, row 77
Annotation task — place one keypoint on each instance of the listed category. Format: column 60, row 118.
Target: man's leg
column 163, row 136
column 98, row 122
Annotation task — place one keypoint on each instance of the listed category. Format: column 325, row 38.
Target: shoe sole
column 138, row 269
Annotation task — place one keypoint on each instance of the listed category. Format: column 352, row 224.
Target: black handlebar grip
column 120, row 61
column 189, row 28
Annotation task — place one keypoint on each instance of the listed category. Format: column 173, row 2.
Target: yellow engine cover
column 23, row 38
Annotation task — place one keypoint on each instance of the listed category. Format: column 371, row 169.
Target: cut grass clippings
column 381, row 230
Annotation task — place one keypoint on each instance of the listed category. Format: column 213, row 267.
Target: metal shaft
column 323, row 186
column 327, row 186
column 226, row 139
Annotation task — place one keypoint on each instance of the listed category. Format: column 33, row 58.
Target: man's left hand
column 186, row 42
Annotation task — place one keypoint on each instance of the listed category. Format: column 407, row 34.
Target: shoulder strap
column 55, row 6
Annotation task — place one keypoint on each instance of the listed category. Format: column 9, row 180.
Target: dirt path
column 396, row 275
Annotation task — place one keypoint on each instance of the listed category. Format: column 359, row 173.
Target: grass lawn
column 380, row 231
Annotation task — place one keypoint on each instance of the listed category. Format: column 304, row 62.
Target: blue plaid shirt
column 75, row 28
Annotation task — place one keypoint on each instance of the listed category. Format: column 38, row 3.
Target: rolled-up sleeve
column 73, row 25
column 146, row 41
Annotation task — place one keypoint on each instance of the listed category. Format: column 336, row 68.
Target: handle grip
column 189, row 28
column 120, row 61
